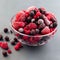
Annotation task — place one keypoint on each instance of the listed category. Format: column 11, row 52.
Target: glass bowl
column 37, row 40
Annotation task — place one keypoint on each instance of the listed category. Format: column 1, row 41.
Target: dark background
column 50, row 51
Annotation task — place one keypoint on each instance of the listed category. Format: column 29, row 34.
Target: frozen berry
column 21, row 30
column 1, row 37
column 9, row 51
column 37, row 31
column 54, row 24
column 32, row 13
column 40, row 21
column 42, row 10
column 7, row 38
column 20, row 16
column 4, row 45
column 15, row 39
column 46, row 30
column 32, row 32
column 5, row 30
column 32, row 26
column 4, row 53
column 32, row 20
column 28, row 20
column 13, row 43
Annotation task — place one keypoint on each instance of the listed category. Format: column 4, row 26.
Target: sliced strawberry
column 46, row 30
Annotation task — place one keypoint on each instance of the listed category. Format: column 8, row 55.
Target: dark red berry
column 7, row 38
column 4, row 53
column 9, row 51
column 5, row 30
column 15, row 39
column 1, row 37
column 13, row 43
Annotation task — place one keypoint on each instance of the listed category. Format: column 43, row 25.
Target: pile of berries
column 34, row 21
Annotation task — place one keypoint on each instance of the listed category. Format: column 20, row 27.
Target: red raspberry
column 46, row 30
column 22, row 24
column 26, row 14
column 51, row 29
column 4, row 45
column 17, row 46
column 9, row 51
column 20, row 16
column 38, row 14
column 26, row 30
column 32, row 26
column 15, row 25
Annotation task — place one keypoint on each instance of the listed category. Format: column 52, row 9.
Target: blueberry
column 5, row 30
column 4, row 53
column 7, row 38
column 28, row 20
column 32, row 13
column 54, row 24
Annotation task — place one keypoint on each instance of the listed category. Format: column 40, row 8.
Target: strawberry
column 20, row 16
column 46, row 30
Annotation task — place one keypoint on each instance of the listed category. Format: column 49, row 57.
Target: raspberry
column 26, row 13
column 16, row 25
column 32, row 26
column 46, row 30
column 20, row 16
column 4, row 45
column 17, row 46
column 21, row 24
column 9, row 51
column 38, row 14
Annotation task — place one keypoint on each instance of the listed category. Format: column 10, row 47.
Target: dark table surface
column 50, row 51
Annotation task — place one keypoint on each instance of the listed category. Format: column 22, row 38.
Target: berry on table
column 4, row 53
column 15, row 39
column 13, row 43
column 1, row 37
column 6, row 30
column 7, row 38
column 9, row 51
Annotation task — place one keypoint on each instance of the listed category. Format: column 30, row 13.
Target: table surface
column 50, row 51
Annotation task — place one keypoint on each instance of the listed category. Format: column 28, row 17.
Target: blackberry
column 5, row 30
column 1, row 37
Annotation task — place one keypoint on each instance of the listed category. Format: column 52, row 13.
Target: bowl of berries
column 34, row 26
